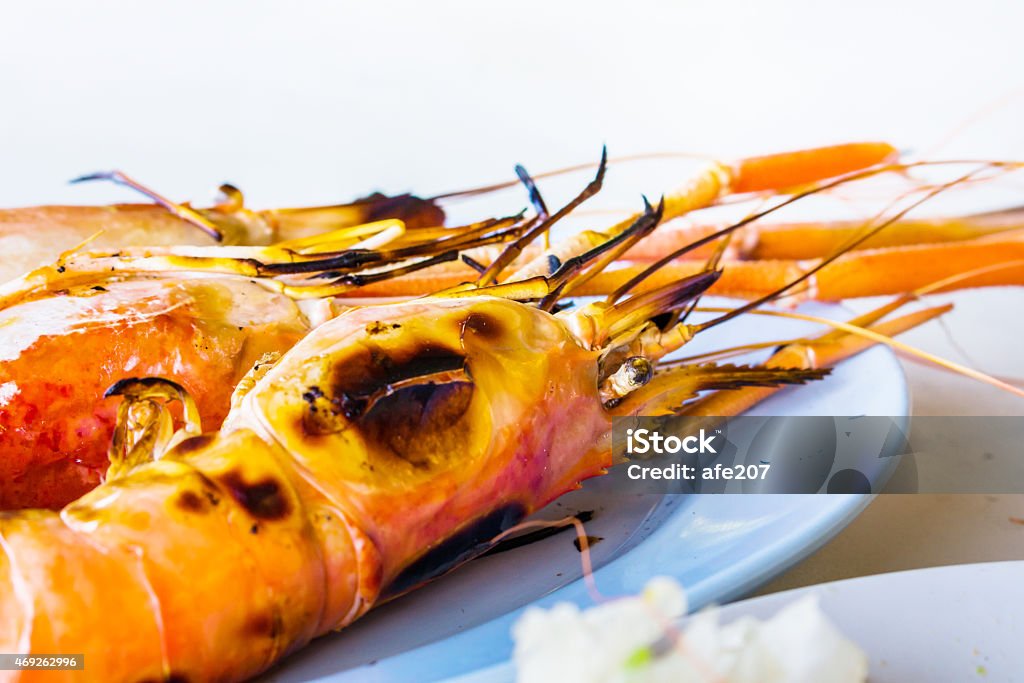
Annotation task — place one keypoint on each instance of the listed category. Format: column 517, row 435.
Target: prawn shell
column 449, row 463
column 59, row 354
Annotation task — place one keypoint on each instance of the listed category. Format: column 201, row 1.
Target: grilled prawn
column 389, row 445
column 202, row 315
column 33, row 236
column 74, row 328
column 59, row 354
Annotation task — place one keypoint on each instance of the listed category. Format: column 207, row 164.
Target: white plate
column 719, row 546
column 940, row 625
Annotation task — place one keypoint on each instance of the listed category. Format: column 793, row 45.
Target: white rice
column 635, row 640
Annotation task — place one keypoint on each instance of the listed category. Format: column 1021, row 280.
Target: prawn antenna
column 182, row 211
column 516, row 247
column 852, row 244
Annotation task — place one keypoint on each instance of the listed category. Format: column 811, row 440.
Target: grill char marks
column 368, row 376
column 483, row 326
column 264, row 499
column 422, row 425
column 463, row 545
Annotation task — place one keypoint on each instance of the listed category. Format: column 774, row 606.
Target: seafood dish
column 333, row 406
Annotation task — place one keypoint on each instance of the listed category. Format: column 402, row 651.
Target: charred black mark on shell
column 461, row 546
column 312, row 395
column 263, row 499
column 482, row 325
column 87, row 512
column 358, row 383
column 421, row 423
column 194, row 444
column 191, row 501
column 265, row 624
column 322, row 415
column 385, row 370
column 379, row 327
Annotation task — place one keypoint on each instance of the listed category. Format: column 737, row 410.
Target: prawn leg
column 826, row 351
column 872, row 272
column 771, row 173
column 815, row 239
column 33, row 236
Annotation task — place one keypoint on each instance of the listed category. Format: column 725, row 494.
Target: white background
column 302, row 102
column 315, row 102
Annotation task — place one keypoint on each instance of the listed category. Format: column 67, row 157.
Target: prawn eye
column 635, row 372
